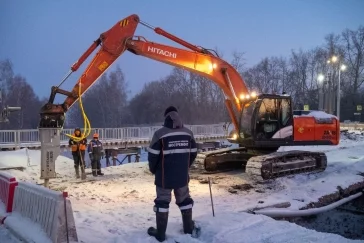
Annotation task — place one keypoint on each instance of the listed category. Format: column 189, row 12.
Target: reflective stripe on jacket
column 170, row 155
column 96, row 149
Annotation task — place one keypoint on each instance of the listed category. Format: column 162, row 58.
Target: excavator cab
column 266, row 121
column 265, row 124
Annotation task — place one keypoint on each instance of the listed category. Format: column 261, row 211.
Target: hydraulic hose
column 86, row 122
column 273, row 212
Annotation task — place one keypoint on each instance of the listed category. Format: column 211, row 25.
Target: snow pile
column 17, row 158
column 6, row 236
column 230, row 227
column 29, row 231
column 118, row 207
column 354, row 135
column 28, row 162
column 319, row 115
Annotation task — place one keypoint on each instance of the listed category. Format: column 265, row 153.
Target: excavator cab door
column 273, row 117
column 266, row 121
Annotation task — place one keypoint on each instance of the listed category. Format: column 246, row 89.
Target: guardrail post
column 17, row 135
column 102, row 133
column 7, row 185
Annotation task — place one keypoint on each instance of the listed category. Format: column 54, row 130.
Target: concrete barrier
column 41, row 215
column 7, row 188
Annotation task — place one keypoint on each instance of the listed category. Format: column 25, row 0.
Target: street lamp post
column 342, row 67
column 338, row 97
column 320, row 79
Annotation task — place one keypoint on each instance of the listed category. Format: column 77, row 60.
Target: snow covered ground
column 118, row 206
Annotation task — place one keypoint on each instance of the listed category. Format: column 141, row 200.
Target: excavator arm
column 112, row 44
column 120, row 38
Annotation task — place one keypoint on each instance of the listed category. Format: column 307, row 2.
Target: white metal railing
column 31, row 136
column 9, row 138
column 352, row 126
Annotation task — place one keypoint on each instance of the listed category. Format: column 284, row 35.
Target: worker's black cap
column 169, row 109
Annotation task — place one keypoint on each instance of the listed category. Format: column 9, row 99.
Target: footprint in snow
column 113, row 231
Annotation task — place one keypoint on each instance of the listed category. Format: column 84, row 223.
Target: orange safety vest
column 82, row 145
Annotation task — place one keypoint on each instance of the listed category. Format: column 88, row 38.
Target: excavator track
column 281, row 164
column 258, row 166
column 220, row 160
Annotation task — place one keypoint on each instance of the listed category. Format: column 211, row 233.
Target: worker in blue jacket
column 96, row 153
column 170, row 156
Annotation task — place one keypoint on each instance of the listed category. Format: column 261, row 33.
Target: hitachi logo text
column 162, row 52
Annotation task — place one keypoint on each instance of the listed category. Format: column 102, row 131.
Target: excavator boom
column 206, row 65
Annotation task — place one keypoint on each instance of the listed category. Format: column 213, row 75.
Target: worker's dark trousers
column 164, row 197
column 96, row 166
column 78, row 160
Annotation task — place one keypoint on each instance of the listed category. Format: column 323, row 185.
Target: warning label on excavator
column 329, row 135
column 359, row 108
column 306, row 107
column 124, row 22
column 103, row 66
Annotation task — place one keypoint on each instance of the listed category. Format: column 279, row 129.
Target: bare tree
column 200, row 100
column 353, row 42
column 266, row 76
column 17, row 92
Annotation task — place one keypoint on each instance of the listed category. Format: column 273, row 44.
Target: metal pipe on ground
column 273, row 212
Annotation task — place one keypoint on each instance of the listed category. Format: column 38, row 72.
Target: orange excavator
column 262, row 122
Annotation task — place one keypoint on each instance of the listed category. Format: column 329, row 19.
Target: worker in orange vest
column 78, row 152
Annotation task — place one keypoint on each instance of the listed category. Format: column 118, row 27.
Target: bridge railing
column 352, row 126
column 31, row 136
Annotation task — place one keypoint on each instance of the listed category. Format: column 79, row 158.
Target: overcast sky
column 44, row 38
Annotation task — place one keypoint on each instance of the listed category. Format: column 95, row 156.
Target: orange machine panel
column 309, row 128
column 328, row 131
column 304, row 128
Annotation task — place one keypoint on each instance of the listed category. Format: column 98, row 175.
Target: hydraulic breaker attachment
column 50, row 150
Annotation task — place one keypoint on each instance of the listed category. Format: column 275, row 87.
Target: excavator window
column 272, row 113
column 262, row 118
column 286, row 114
column 246, row 121
column 267, row 118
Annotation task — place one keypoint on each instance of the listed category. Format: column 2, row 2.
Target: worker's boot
column 189, row 226
column 93, row 166
column 99, row 169
column 99, row 173
column 187, row 221
column 160, row 232
column 77, row 172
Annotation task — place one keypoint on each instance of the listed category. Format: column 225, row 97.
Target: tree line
column 200, row 101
